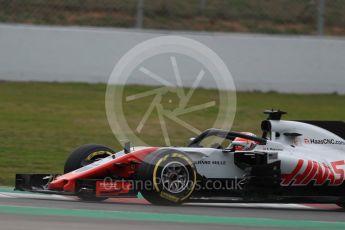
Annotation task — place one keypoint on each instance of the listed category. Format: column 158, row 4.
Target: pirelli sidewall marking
column 169, row 196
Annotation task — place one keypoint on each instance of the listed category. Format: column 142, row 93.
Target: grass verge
column 258, row 16
column 40, row 123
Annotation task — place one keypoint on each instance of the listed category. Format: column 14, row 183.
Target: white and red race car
column 293, row 162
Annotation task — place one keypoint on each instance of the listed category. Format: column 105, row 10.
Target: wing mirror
column 126, row 146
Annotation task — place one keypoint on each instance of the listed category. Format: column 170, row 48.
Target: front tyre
column 168, row 176
column 85, row 155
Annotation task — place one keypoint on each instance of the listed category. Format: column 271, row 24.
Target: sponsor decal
column 326, row 141
column 316, row 172
column 211, row 163
column 273, row 149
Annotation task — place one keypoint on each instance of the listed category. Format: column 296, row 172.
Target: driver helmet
column 242, row 144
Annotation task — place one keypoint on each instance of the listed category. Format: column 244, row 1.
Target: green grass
column 259, row 16
column 40, row 123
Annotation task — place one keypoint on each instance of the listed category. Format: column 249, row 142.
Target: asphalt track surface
column 35, row 211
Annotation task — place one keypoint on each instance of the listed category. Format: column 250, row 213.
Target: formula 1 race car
column 292, row 162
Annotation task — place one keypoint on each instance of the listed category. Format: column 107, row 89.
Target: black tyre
column 84, row 155
column 168, row 176
column 342, row 205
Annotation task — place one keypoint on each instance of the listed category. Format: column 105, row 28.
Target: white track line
column 5, row 196
column 35, row 196
column 253, row 205
column 230, row 205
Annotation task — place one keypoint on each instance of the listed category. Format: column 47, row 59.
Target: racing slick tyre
column 168, row 177
column 85, row 155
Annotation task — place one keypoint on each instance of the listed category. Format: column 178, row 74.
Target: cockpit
column 222, row 139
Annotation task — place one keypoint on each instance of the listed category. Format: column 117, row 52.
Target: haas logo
column 317, row 172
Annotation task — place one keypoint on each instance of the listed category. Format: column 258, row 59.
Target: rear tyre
column 168, row 176
column 85, row 155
